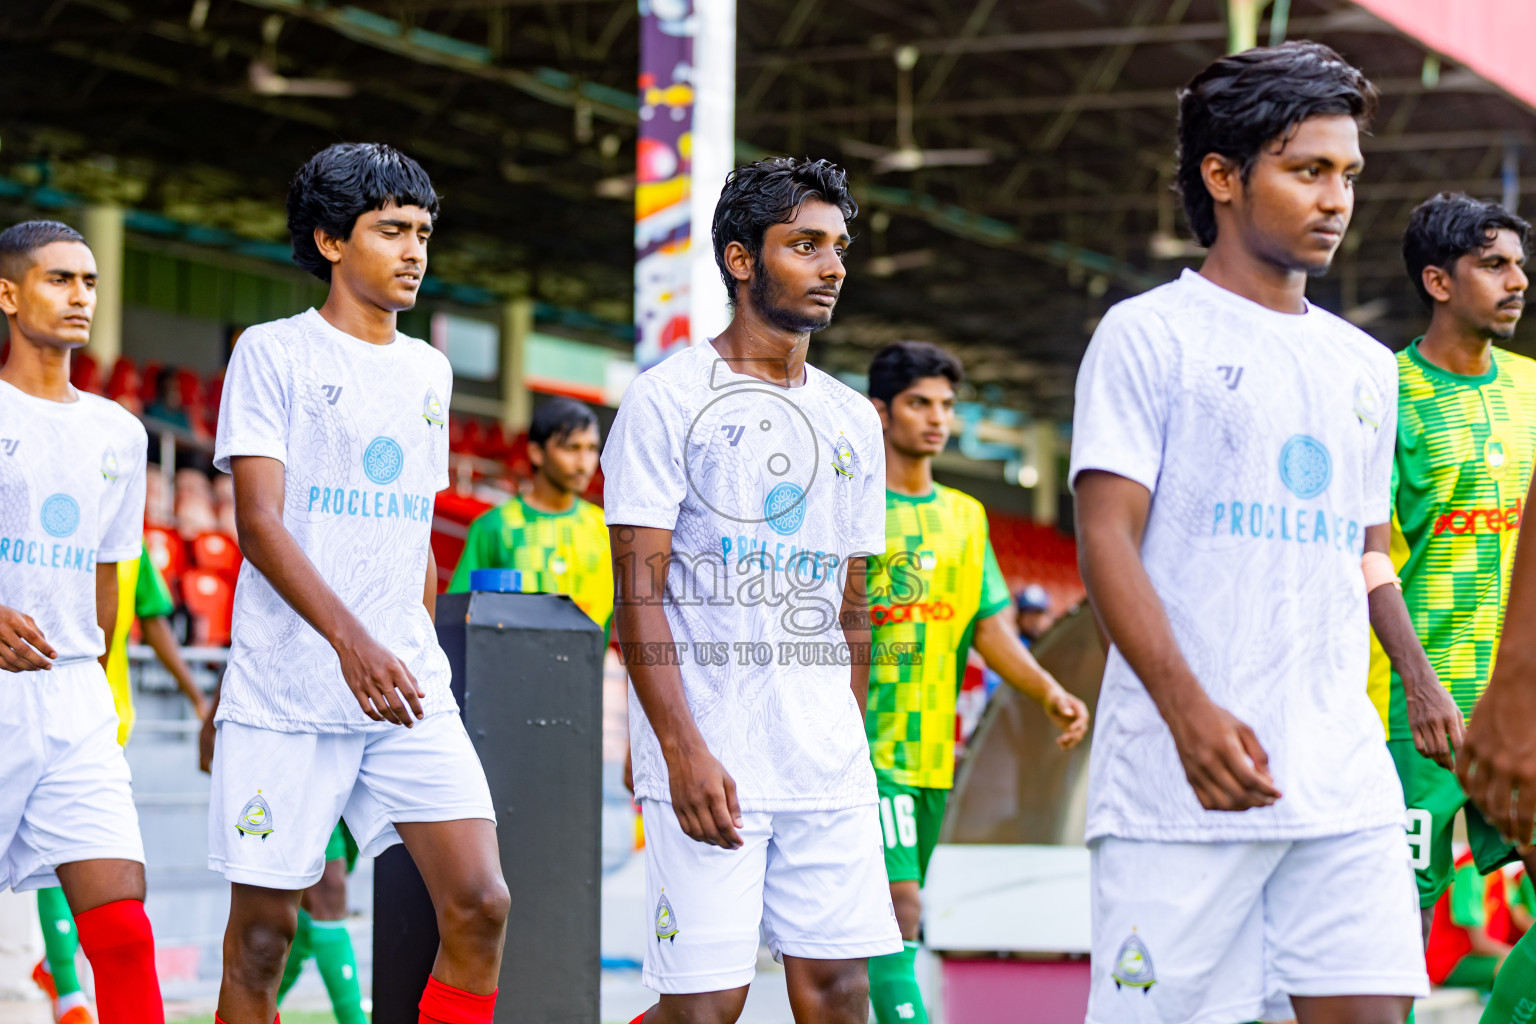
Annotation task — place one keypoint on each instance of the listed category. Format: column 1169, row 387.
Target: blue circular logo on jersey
column 784, row 508
column 1305, row 467
column 383, row 460
column 61, row 515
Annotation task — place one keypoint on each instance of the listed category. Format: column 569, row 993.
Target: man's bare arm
column 853, row 615
column 106, row 605
column 429, row 591
column 1222, row 758
column 703, row 793
column 997, row 641
column 1433, row 716
column 158, row 635
column 383, row 686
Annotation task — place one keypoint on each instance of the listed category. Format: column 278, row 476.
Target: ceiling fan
column 908, row 156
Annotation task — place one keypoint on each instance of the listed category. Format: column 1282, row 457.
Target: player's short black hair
column 19, row 241
column 1446, row 227
column 341, row 183
column 899, row 364
column 1246, row 101
column 560, row 417
column 769, row 192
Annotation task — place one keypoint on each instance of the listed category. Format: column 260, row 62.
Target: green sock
column 297, row 953
column 59, row 939
column 333, row 952
column 893, row 987
column 1513, row 1000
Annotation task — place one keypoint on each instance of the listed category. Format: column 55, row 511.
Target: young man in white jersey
column 71, row 508
column 336, row 701
column 1231, row 456
column 745, row 490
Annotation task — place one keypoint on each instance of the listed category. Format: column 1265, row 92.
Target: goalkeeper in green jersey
column 556, row 538
column 937, row 591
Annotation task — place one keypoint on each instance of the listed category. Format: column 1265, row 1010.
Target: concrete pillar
column 516, row 325
column 1044, row 494
column 102, row 227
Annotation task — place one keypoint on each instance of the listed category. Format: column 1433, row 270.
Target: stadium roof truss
column 1012, row 160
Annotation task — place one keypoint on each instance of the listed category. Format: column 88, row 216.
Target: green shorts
column 341, row 846
column 910, row 817
column 1433, row 797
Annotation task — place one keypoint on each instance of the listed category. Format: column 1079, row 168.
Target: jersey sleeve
column 253, row 413
column 478, row 551
column 644, row 482
column 1467, row 909
column 1524, row 896
column 122, row 529
column 1122, row 398
column 445, row 478
column 151, row 597
column 1381, row 469
column 995, row 595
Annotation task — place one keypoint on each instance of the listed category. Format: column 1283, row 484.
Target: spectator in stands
column 194, row 504
column 1035, row 617
column 158, row 506
column 224, row 504
column 168, row 405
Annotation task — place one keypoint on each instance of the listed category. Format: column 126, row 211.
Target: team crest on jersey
column 432, row 408
column 1495, row 456
column 666, row 920
column 1133, row 965
column 842, row 456
column 1367, row 404
column 109, row 466
column 255, row 818
column 557, row 565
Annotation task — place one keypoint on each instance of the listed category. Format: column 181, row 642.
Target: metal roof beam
column 1350, row 20
column 1006, row 106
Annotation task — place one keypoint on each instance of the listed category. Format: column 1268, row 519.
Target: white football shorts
column 67, row 795
column 815, row 880
column 1211, row 933
column 277, row 796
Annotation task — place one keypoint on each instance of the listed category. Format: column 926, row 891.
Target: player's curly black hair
column 1446, row 227
column 19, row 241
column 769, row 192
column 341, row 183
column 1246, row 101
column 896, row 366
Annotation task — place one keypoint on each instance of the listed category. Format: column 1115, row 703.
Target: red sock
column 444, row 1004
column 121, row 948
column 640, row 1018
column 220, row 1020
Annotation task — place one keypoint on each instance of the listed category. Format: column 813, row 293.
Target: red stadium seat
column 149, row 378
column 84, row 373
column 167, row 551
column 217, row 552
column 210, row 598
column 124, row 380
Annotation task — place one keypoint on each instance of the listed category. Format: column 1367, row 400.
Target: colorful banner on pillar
column 663, row 180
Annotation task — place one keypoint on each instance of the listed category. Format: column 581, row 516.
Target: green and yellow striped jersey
column 1459, row 476
column 557, row 552
column 937, row 578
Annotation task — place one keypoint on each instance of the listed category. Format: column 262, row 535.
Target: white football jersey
column 361, row 430
column 71, row 495
column 768, row 492
column 1266, row 440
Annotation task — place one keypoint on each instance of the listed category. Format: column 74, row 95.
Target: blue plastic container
column 496, row 581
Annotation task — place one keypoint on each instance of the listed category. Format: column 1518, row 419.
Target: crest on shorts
column 1133, row 965
column 666, row 921
column 255, row 818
